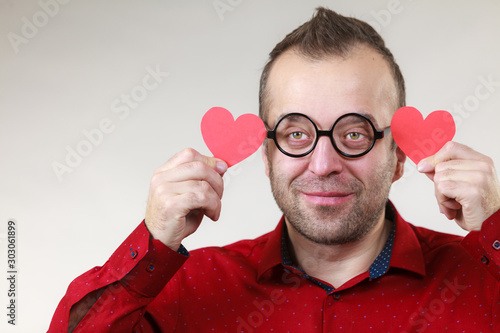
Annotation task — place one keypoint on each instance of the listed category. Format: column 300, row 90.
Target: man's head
column 326, row 197
column 329, row 34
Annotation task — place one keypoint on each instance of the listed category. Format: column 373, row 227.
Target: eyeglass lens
column 352, row 134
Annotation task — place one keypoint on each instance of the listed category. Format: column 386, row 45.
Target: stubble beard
column 333, row 225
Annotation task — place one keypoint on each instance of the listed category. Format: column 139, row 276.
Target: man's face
column 325, row 197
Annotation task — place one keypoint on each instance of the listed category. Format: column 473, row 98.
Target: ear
column 400, row 164
column 264, row 158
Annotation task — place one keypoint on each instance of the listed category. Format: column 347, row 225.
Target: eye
column 354, row 135
column 297, row 135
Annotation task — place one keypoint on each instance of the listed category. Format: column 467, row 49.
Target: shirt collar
column 402, row 249
column 381, row 264
column 407, row 252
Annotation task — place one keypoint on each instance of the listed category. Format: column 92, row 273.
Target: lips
column 327, row 198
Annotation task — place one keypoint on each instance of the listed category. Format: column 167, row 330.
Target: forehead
column 328, row 88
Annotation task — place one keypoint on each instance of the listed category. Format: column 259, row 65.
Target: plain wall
column 66, row 69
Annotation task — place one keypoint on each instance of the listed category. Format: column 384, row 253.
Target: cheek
column 287, row 168
column 370, row 169
column 265, row 159
column 359, row 169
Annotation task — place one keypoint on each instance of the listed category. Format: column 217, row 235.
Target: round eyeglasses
column 352, row 135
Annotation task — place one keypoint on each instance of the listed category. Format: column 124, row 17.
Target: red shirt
column 434, row 282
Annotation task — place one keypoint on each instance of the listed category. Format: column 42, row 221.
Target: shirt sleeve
column 484, row 245
column 114, row 297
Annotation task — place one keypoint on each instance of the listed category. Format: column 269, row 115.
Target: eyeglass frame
column 271, row 134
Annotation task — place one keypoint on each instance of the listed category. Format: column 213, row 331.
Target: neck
column 337, row 264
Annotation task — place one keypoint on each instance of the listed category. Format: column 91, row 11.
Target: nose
column 324, row 158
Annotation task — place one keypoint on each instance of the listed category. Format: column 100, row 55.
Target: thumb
column 427, row 166
column 217, row 164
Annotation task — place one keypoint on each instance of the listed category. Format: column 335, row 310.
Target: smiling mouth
column 327, row 198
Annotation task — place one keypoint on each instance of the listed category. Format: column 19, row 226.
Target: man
column 341, row 258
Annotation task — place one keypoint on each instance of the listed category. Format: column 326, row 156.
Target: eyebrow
column 369, row 116
column 364, row 113
column 278, row 118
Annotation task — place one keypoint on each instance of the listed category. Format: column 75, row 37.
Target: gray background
column 66, row 66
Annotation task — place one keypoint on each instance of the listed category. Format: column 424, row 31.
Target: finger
column 206, row 200
column 449, row 185
column 447, row 206
column 194, row 197
column 463, row 165
column 450, row 214
column 171, row 216
column 192, row 171
column 195, row 186
column 450, row 151
column 430, row 175
column 451, row 204
column 462, row 196
column 449, row 169
column 189, row 155
column 458, row 183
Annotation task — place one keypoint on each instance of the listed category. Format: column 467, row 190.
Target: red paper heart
column 230, row 140
column 419, row 138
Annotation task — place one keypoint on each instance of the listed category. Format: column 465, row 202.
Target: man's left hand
column 466, row 184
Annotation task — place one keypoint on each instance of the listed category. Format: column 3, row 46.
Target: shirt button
column 150, row 268
column 485, row 260
column 336, row 296
column 496, row 245
column 133, row 253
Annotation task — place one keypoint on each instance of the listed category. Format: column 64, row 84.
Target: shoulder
column 431, row 239
column 442, row 249
column 243, row 250
column 411, row 234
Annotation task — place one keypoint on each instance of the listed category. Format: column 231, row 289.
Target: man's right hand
column 181, row 192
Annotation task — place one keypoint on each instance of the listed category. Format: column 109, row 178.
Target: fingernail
column 221, row 167
column 422, row 166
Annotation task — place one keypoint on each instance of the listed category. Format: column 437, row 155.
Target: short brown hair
column 326, row 34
